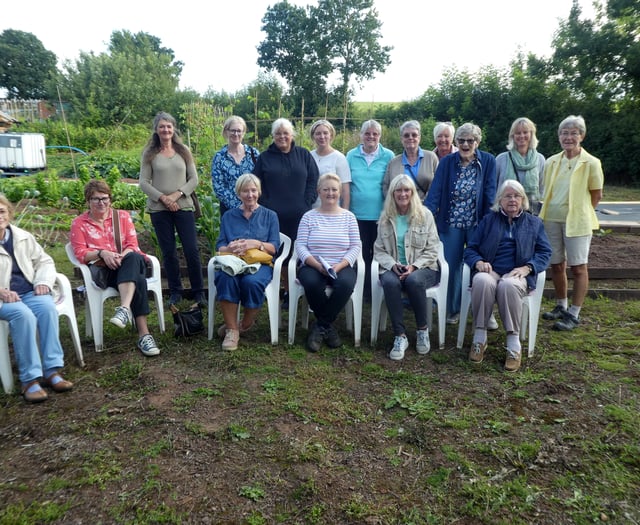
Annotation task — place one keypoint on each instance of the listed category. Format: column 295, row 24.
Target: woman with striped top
column 327, row 246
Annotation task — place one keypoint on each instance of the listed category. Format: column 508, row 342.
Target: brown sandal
column 34, row 397
column 61, row 386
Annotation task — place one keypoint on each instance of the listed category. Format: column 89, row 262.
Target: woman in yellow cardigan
column 573, row 182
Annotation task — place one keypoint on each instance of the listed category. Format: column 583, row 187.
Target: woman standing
column 522, row 162
column 443, row 134
column 368, row 163
column 573, row 182
column 234, row 159
column 328, row 243
column 461, row 194
column 289, row 175
column 330, row 160
column 407, row 251
column 27, row 275
column 168, row 177
column 419, row 164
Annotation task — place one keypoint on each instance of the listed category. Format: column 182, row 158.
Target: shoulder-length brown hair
column 153, row 146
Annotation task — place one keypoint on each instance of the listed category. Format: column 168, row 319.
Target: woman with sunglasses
column 417, row 163
column 461, row 193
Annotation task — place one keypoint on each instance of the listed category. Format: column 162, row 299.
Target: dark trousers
column 166, row 224
column 415, row 286
column 133, row 270
column 368, row 234
column 327, row 309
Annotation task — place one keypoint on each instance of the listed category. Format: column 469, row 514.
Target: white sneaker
column 453, row 319
column 423, row 344
column 147, row 345
column 492, row 324
column 400, row 344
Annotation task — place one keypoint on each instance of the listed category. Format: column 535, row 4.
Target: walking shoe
column 315, row 337
column 568, row 322
column 492, row 324
column 222, row 331
column 32, row 394
column 201, row 300
column 476, row 354
column 453, row 319
column 121, row 318
column 57, row 383
column 554, row 314
column 512, row 363
column 423, row 345
column 231, row 338
column 147, row 345
column 400, row 344
column 332, row 338
column 175, row 298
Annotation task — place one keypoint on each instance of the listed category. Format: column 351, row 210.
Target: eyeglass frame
column 466, row 141
column 100, row 200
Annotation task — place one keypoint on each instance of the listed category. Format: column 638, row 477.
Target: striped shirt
column 332, row 237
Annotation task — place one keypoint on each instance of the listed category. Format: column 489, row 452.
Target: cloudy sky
column 217, row 43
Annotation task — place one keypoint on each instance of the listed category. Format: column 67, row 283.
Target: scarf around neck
column 529, row 165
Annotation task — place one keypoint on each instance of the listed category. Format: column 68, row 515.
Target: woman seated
column 248, row 226
column 107, row 237
column 27, row 275
column 505, row 255
column 327, row 247
column 407, row 251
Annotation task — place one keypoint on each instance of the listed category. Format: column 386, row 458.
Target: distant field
column 621, row 193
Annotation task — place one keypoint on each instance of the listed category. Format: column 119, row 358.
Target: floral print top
column 462, row 212
column 225, row 172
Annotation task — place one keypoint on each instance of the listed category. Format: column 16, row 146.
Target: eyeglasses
column 512, row 196
column 572, row 134
column 100, row 200
column 235, row 132
column 468, row 141
column 410, row 136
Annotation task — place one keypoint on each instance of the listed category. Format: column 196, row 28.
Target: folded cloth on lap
column 232, row 265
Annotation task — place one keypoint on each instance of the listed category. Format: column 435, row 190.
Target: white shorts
column 574, row 250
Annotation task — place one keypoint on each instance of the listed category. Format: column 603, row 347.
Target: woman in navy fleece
column 289, row 176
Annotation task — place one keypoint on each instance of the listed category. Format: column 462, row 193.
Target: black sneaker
column 568, row 322
column 315, row 337
column 554, row 314
column 332, row 338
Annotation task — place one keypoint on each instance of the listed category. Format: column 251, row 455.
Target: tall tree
column 291, row 49
column 131, row 82
column 26, row 67
column 306, row 45
column 351, row 32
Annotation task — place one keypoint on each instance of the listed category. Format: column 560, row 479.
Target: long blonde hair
column 416, row 213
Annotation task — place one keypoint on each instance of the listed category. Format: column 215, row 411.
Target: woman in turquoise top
column 407, row 251
column 368, row 164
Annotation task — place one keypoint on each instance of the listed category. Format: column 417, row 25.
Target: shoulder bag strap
column 116, row 230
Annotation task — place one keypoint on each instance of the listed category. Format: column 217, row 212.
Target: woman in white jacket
column 27, row 275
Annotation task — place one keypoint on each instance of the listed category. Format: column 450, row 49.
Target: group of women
column 488, row 212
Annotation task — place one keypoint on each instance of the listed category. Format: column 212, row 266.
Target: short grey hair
column 370, row 124
column 412, row 124
column 441, row 126
column 511, row 184
column 283, row 123
column 469, row 128
column 574, row 121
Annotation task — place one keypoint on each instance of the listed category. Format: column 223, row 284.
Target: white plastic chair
column 437, row 293
column 271, row 292
column 64, row 306
column 353, row 308
column 96, row 296
column 530, row 310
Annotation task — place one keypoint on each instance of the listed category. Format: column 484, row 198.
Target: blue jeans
column 166, row 224
column 246, row 289
column 415, row 286
column 327, row 309
column 454, row 241
column 34, row 317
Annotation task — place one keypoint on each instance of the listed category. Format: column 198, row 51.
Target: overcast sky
column 217, row 41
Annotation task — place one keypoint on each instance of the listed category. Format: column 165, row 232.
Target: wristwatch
column 99, row 254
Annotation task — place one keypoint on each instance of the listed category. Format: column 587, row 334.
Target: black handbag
column 100, row 274
column 187, row 322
